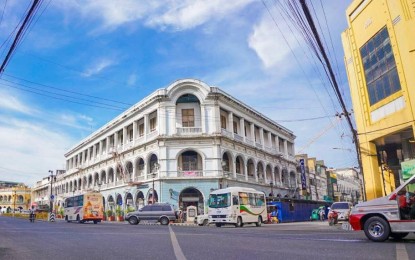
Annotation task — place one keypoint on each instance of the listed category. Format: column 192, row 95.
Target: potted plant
column 120, row 213
column 110, row 215
column 104, row 216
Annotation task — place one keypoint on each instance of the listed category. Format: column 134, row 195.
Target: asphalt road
column 20, row 239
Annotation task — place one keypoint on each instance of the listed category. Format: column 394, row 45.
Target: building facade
column 316, row 185
column 349, row 185
column 379, row 46
column 17, row 198
column 176, row 146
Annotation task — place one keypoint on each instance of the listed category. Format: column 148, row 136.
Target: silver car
column 162, row 212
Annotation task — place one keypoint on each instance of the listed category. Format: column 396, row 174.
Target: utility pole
column 335, row 85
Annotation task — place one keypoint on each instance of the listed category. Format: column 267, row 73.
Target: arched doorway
column 129, row 201
column 192, row 197
column 139, row 200
column 111, row 203
column 150, row 196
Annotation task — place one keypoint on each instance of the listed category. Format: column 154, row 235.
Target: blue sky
column 121, row 51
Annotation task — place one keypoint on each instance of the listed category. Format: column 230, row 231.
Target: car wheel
column 218, row 224
column 133, row 220
column 259, row 223
column 164, row 221
column 205, row 222
column 66, row 218
column 78, row 219
column 398, row 236
column 95, row 222
column 239, row 222
column 377, row 229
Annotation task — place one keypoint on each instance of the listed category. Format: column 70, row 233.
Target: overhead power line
column 327, row 65
column 19, row 34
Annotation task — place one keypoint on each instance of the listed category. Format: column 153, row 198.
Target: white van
column 342, row 208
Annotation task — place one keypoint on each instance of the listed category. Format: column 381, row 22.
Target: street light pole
column 153, row 174
column 51, row 178
column 14, row 201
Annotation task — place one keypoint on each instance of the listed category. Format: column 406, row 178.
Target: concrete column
column 269, row 142
column 203, row 124
column 116, row 141
column 261, row 136
column 256, row 171
column 242, row 127
column 124, row 135
column 246, row 170
column 285, row 148
column 134, row 131
column 100, row 147
column 234, row 168
column 252, row 137
column 230, row 120
column 107, row 149
column 146, row 126
column 277, row 142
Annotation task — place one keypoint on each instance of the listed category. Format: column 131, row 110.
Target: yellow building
column 18, row 198
column 379, row 48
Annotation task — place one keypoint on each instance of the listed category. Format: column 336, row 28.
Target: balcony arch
column 189, row 163
column 153, row 163
column 260, row 172
column 110, row 175
column 128, row 170
column 277, row 174
column 251, row 169
column 240, row 165
column 227, row 162
column 139, row 200
column 268, row 174
column 103, row 177
column 139, row 169
column 89, row 181
column 96, row 179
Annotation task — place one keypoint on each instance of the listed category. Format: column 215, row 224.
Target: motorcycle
column 32, row 217
column 333, row 217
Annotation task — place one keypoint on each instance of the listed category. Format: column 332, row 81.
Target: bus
column 237, row 206
column 85, row 207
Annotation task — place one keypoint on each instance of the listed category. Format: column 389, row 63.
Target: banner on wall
column 408, row 169
column 303, row 179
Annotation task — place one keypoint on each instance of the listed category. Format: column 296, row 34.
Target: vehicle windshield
column 219, row 200
column 340, row 205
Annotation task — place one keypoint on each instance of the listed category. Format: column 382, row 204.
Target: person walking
column 322, row 214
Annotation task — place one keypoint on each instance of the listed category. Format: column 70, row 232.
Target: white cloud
column 97, row 67
column 268, row 43
column 132, row 79
column 188, row 14
column 30, row 148
column 171, row 14
column 10, row 102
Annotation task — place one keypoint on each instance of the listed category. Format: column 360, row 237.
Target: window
column 223, row 121
column 153, row 123
column 235, row 127
column 157, row 208
column 219, row 200
column 243, row 198
column 188, row 117
column 146, row 208
column 167, row 208
column 189, row 162
column 380, row 68
column 141, row 130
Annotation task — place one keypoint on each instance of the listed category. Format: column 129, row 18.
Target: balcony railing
column 249, row 141
column 238, row 137
column 240, row 177
column 226, row 133
column 188, row 130
column 190, row 174
column 258, row 145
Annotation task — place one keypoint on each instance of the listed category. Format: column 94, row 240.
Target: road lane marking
column 401, row 253
column 176, row 247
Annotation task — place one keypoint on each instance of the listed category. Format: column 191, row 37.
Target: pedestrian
column 322, row 214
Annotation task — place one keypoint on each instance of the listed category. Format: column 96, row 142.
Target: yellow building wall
column 365, row 19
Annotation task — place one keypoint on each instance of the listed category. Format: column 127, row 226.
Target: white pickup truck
column 382, row 218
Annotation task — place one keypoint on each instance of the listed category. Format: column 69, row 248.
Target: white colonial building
column 185, row 141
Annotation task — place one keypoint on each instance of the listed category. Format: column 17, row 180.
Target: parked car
column 342, row 208
column 382, row 218
column 162, row 212
column 202, row 220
